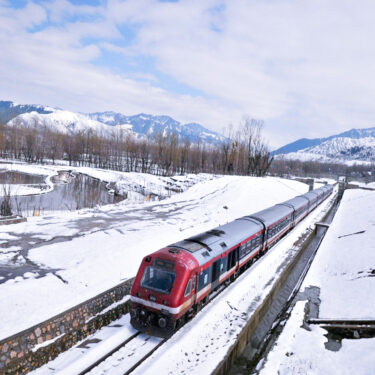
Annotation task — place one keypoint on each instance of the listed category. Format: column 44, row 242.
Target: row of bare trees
column 286, row 167
column 243, row 152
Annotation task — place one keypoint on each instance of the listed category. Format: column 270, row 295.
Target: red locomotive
column 172, row 284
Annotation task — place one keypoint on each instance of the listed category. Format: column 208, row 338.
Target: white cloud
column 306, row 67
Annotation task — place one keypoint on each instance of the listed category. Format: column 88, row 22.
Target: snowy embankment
column 104, row 246
column 135, row 185
column 29, row 189
column 343, row 273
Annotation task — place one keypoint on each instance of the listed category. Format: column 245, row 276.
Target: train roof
column 328, row 187
column 312, row 196
column 272, row 214
column 296, row 202
column 210, row 244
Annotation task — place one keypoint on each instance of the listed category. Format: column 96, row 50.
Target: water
column 16, row 178
column 78, row 192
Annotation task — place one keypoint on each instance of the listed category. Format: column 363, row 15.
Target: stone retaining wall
column 37, row 345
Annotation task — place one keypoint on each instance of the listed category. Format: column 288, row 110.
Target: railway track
column 108, row 355
column 128, row 357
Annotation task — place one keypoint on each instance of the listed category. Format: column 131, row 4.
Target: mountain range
column 355, row 145
column 104, row 123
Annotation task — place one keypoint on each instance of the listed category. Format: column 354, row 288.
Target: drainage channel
column 272, row 323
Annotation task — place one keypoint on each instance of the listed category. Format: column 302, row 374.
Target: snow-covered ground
column 370, row 185
column 343, row 271
column 302, row 352
column 28, row 189
column 124, row 182
column 94, row 249
column 21, row 190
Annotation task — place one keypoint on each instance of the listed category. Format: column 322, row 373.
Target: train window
column 242, row 251
column 188, row 289
column 194, row 282
column 158, row 280
column 203, row 279
column 254, row 243
column 224, row 262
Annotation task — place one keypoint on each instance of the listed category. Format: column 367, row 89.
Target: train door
column 195, row 287
column 233, row 258
column 215, row 274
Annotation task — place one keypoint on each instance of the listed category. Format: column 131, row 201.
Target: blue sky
column 305, row 67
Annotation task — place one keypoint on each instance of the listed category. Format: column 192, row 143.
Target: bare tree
column 5, row 205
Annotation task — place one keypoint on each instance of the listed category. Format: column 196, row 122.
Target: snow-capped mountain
column 151, row 125
column 105, row 123
column 350, row 146
column 9, row 110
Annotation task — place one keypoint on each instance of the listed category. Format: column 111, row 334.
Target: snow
column 46, row 343
column 360, row 184
column 62, row 121
column 345, row 150
column 302, row 352
column 346, row 259
column 125, row 182
column 342, row 271
column 29, row 189
column 108, row 123
column 89, row 350
column 128, row 356
column 99, row 248
column 22, row 190
column 311, row 156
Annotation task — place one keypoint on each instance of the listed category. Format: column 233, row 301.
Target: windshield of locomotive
column 158, row 280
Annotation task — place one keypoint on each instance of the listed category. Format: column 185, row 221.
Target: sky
column 304, row 67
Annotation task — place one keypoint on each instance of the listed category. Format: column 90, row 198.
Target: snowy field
column 370, row 185
column 77, row 255
column 343, row 271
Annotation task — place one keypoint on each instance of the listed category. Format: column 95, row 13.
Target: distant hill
column 9, row 110
column 352, row 145
column 104, row 123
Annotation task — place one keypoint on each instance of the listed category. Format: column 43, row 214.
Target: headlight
column 162, row 322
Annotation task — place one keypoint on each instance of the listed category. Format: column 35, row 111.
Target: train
column 175, row 282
